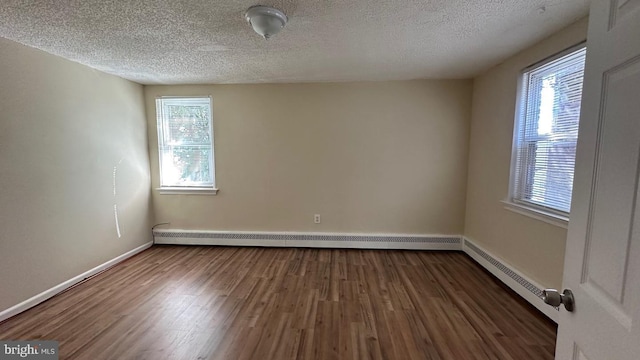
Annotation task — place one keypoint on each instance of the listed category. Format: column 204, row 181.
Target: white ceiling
column 198, row 41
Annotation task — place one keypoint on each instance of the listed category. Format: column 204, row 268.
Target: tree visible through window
column 547, row 133
column 185, row 142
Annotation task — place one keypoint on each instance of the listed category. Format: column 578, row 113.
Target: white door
column 602, row 265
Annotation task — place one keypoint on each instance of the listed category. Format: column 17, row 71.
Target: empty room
column 301, row 179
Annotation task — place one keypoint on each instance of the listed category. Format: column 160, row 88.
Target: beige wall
column 529, row 245
column 63, row 128
column 379, row 157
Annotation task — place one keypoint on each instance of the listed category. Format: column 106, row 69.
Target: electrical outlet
column 316, row 218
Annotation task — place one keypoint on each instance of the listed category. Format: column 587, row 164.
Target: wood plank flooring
column 173, row 302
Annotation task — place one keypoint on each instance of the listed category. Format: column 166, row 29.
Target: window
column 185, row 143
column 546, row 134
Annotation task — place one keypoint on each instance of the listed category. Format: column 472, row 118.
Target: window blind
column 545, row 144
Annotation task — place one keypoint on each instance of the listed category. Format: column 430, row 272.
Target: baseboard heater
column 322, row 240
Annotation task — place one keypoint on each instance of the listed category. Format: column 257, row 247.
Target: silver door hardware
column 554, row 298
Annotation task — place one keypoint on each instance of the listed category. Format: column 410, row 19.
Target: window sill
column 187, row 191
column 549, row 218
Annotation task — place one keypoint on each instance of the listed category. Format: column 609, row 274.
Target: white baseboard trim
column 308, row 239
column 37, row 299
column 521, row 284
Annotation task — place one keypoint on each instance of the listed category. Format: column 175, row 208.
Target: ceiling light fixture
column 265, row 20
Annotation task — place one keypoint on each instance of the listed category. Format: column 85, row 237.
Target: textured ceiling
column 196, row 41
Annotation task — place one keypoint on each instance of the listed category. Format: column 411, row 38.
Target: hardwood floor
column 173, row 302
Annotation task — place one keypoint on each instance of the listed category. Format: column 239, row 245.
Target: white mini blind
column 185, row 142
column 547, row 133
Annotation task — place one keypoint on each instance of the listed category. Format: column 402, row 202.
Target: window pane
column 551, row 179
column 187, row 124
column 548, row 132
column 186, row 166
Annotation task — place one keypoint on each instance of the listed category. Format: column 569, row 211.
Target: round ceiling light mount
column 265, row 20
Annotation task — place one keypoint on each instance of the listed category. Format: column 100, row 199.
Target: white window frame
column 546, row 214
column 203, row 189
